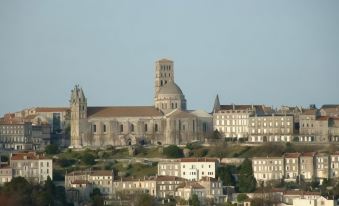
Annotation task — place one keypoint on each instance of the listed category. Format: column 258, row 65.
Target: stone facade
column 6, row 174
column 168, row 122
column 268, row 168
column 271, row 128
column 31, row 166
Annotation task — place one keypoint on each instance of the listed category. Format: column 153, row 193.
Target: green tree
column 173, row 151
column 96, row 197
column 247, row 182
column 215, row 135
column 195, row 200
column 242, row 197
column 225, row 174
column 52, row 149
column 88, row 158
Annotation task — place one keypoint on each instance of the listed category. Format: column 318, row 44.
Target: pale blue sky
column 264, row 52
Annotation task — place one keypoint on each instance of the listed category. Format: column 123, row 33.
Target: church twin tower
column 167, row 98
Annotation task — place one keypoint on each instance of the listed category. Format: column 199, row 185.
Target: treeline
column 21, row 192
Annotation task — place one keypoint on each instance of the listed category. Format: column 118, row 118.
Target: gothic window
column 104, row 128
column 121, row 128
column 145, row 127
column 94, row 128
column 156, row 127
column 132, row 127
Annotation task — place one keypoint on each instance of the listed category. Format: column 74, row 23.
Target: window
column 132, row 127
column 156, row 127
column 104, row 128
column 94, row 128
column 121, row 128
column 145, row 127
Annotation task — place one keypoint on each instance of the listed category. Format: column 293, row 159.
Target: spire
column 216, row 106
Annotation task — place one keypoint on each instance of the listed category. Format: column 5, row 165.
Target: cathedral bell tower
column 78, row 105
column 164, row 73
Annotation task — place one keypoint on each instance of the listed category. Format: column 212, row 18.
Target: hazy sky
column 266, row 52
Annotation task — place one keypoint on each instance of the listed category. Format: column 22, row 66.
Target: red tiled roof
column 51, row 109
column 292, row 155
column 309, row 111
column 78, row 182
column 136, row 111
column 26, row 156
column 323, row 118
column 206, row 178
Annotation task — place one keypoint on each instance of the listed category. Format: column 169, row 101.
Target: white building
column 31, row 166
column 268, row 168
column 189, row 168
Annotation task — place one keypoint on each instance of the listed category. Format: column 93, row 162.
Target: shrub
column 52, row 149
column 173, row 151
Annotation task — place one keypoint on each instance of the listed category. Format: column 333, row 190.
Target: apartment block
column 307, row 165
column 271, row 128
column 31, row 166
column 6, row 174
column 292, row 166
column 268, row 168
column 334, row 167
column 322, row 162
column 190, row 168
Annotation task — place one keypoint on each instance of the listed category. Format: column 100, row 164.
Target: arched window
column 146, row 128
column 132, row 127
column 176, row 105
column 121, row 128
column 104, row 128
column 156, row 127
column 94, row 128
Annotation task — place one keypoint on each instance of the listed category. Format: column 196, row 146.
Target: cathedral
column 166, row 122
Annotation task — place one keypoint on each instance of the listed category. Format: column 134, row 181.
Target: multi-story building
column 331, row 110
column 101, row 179
column 6, row 174
column 307, row 125
column 31, row 166
column 169, row 168
column 15, row 134
column 292, row 166
column 158, row 186
column 189, row 168
column 232, row 121
column 268, row 168
column 271, row 128
column 334, row 166
column 307, row 165
column 19, row 134
column 322, row 162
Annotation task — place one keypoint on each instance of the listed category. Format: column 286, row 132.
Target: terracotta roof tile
column 26, row 156
column 78, row 182
column 52, row 109
column 193, row 185
column 292, row 155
